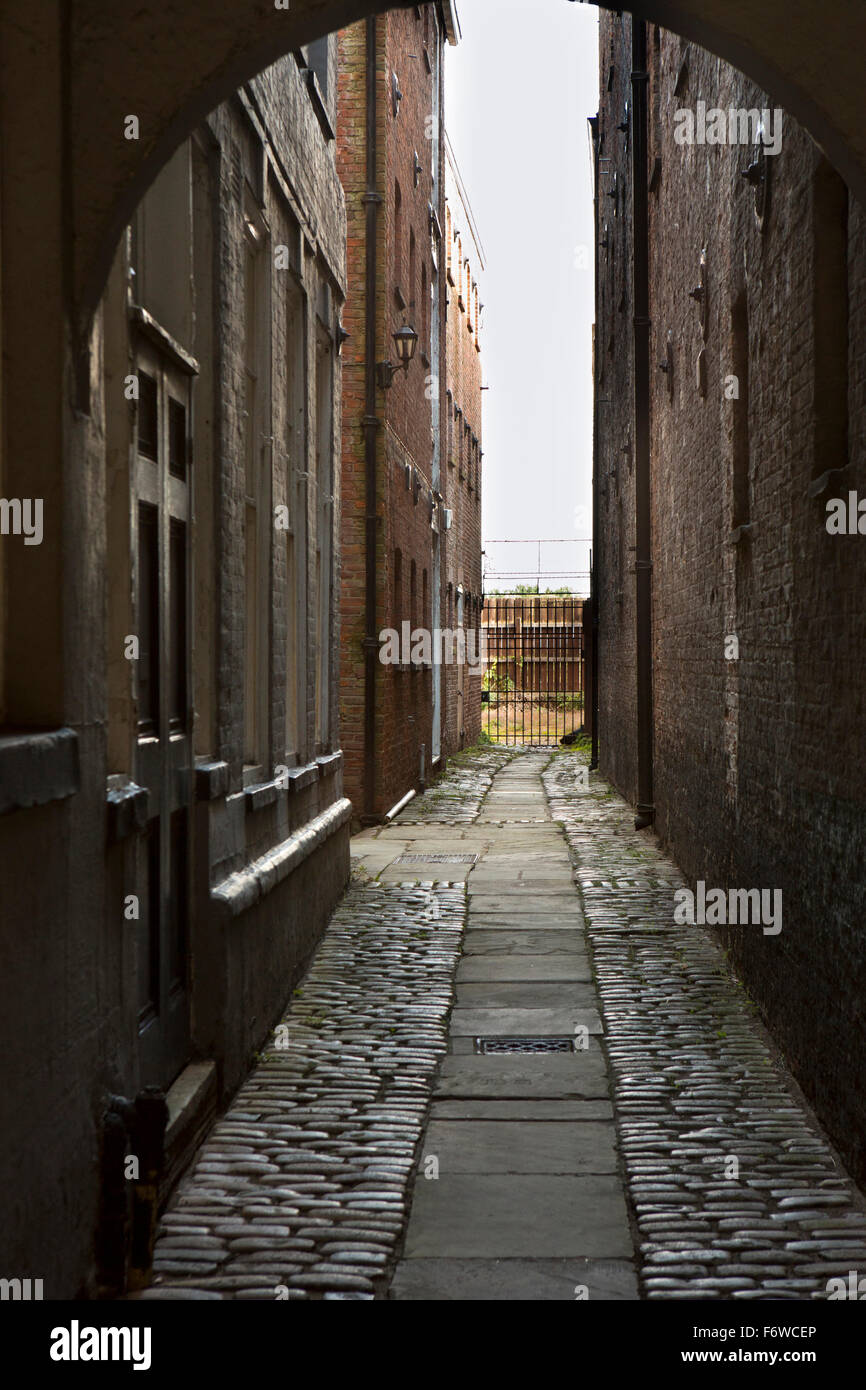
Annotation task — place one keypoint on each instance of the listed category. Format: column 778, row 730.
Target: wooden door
column 164, row 756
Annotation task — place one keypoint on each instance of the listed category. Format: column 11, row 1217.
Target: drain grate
column 436, row 859
column 486, row 1045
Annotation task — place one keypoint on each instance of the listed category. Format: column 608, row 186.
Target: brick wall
column 409, row 263
column 463, row 443
column 758, row 780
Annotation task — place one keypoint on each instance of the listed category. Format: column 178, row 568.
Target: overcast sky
column 519, row 88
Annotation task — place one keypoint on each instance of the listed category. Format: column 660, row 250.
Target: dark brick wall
column 615, row 386
column 758, row 780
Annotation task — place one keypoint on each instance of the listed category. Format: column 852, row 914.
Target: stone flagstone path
column 528, row 1202
column 564, row 1131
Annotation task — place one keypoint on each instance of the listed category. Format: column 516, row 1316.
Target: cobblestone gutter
column 301, row 1189
column 456, row 799
column 697, row 1085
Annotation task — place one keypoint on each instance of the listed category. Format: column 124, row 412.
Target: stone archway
column 71, row 71
column 170, row 65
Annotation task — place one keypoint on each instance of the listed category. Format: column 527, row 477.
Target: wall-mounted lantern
column 406, row 341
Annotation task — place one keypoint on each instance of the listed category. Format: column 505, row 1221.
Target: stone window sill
column 128, row 805
column 37, row 767
column 211, row 780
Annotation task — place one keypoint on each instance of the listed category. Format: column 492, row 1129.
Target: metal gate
column 534, row 683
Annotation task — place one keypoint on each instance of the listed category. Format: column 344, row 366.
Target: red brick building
column 464, row 264
column 406, row 510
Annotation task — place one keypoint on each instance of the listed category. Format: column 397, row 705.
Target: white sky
column 519, row 88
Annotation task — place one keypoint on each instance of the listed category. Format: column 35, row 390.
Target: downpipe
column 594, row 565
column 133, row 1164
column 395, row 810
column 645, row 809
column 372, row 202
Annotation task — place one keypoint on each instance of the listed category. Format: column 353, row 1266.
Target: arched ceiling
column 169, row 62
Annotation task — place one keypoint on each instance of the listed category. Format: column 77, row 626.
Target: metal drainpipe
column 132, row 1129
column 594, row 576
column 372, row 200
column 645, row 810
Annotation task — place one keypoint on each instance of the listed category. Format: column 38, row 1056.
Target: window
column 148, row 416
column 148, row 619
column 177, row 438
column 257, row 528
column 830, row 318
column 412, row 269
column 413, row 595
column 425, row 311
column 397, row 611
column 656, row 100
column 740, row 501
column 324, row 549
column 317, row 61
column 295, row 464
column 398, row 235
column 163, row 283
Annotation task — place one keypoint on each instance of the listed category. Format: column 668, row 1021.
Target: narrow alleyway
column 599, row 1115
column 527, row 1201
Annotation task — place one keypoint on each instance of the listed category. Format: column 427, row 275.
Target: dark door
column 161, row 519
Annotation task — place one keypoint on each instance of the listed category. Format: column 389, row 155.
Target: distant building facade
column 464, row 267
column 731, row 403
column 401, row 530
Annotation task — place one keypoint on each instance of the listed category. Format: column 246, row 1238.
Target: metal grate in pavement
column 436, row 859
column 487, row 1045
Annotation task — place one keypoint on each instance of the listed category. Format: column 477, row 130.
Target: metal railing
column 534, row 685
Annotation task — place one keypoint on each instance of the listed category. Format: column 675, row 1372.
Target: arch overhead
column 171, row 64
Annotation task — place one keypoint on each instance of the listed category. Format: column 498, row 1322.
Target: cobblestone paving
column 696, row 1083
column 456, row 798
column 301, row 1189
